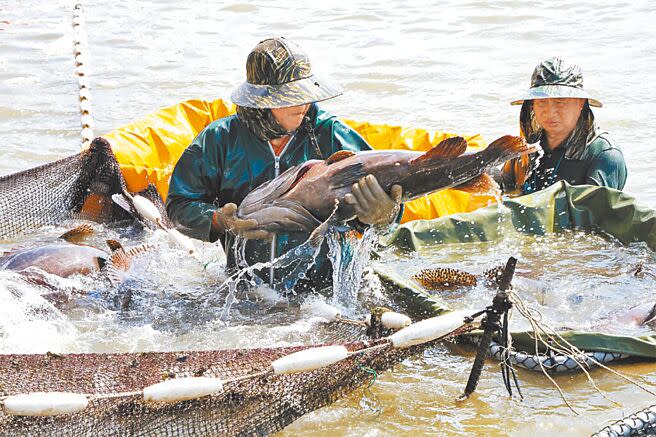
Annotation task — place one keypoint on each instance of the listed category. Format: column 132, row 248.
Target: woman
column 278, row 125
column 556, row 113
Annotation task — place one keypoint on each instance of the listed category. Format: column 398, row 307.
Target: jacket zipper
column 276, row 163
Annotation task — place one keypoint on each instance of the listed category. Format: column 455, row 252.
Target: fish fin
column 273, row 189
column 306, row 217
column 338, row 156
column 116, row 266
column 114, row 245
column 448, row 148
column 138, row 250
column 347, row 176
column 115, row 276
column 77, row 234
column 120, row 260
column 319, row 234
column 482, row 184
column 509, row 145
column 651, row 317
column 443, row 278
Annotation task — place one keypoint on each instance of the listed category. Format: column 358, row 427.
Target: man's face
column 290, row 118
column 558, row 116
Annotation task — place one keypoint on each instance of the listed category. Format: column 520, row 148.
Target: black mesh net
column 79, row 186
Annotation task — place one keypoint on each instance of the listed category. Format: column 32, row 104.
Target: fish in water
column 65, row 259
column 443, row 278
column 304, row 196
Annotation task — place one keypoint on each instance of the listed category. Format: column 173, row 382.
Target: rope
column 79, row 49
column 374, row 404
column 634, row 424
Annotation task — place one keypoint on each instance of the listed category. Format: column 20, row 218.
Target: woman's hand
column 372, row 205
column 225, row 219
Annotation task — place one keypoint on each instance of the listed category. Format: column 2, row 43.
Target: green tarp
column 557, row 207
column 560, row 206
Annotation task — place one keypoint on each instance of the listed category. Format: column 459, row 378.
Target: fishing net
column 259, row 405
column 79, row 186
column 76, row 187
column 642, row 422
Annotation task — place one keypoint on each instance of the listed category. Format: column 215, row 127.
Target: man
column 556, row 112
column 278, row 125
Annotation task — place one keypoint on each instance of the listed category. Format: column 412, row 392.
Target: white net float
column 182, row 389
column 392, row 320
column 324, row 310
column 147, row 209
column 181, row 240
column 45, row 404
column 309, row 359
column 429, row 329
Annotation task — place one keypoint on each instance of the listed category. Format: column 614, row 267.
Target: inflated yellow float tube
column 148, row 149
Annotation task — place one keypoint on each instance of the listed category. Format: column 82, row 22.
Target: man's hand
column 372, row 205
column 225, row 219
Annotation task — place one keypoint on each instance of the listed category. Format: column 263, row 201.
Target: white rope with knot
column 79, row 49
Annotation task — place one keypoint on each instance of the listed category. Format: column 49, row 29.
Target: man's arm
column 608, row 169
column 193, row 187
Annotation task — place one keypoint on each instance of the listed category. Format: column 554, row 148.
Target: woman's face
column 290, row 118
column 558, row 116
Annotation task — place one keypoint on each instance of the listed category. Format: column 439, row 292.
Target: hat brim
column 299, row 92
column 557, row 91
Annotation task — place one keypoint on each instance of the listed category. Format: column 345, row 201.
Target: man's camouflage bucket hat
column 554, row 78
column 278, row 75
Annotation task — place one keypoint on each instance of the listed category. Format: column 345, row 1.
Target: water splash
column 28, row 322
column 349, row 255
column 297, row 260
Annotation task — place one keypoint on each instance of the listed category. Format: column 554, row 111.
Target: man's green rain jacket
column 602, row 164
column 226, row 161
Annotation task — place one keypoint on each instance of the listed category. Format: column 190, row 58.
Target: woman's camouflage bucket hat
column 554, row 78
column 278, row 75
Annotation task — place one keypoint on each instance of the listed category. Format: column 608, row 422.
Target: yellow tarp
column 147, row 150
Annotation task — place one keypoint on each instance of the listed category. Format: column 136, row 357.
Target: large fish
column 308, row 192
column 66, row 258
